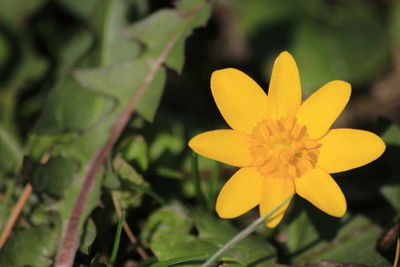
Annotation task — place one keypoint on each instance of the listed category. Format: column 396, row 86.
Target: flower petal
column 274, row 192
column 284, row 94
column 240, row 194
column 345, row 149
column 318, row 187
column 227, row 146
column 239, row 98
column 321, row 109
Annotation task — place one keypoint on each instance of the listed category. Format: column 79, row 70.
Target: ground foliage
column 99, row 97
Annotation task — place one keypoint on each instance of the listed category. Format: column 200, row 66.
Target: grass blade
column 117, row 239
column 243, row 234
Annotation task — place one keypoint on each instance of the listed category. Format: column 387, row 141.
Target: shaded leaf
column 169, row 221
column 336, row 49
column 130, row 194
column 88, row 236
column 247, row 252
column 49, row 179
column 179, row 260
column 19, row 251
column 355, row 243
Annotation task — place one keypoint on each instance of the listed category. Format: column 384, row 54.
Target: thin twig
column 16, row 211
column 127, row 229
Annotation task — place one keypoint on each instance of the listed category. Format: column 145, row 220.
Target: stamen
column 295, row 132
column 282, row 148
column 289, row 123
column 259, row 161
column 264, row 130
column 292, row 170
column 311, row 145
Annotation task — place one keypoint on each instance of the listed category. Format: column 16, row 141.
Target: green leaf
column 168, row 232
column 15, row 12
column 48, row 178
column 83, row 9
column 32, row 247
column 335, row 48
column 256, row 14
column 4, row 50
column 354, row 242
column 62, row 116
column 168, row 221
column 72, row 52
column 391, row 136
column 135, row 150
column 88, row 236
column 79, row 118
column 391, row 190
column 246, row 252
column 167, row 142
column 302, row 233
column 394, row 22
column 11, row 151
column 392, row 194
column 180, row 245
column 147, row 106
column 108, row 19
column 132, row 183
column 179, row 260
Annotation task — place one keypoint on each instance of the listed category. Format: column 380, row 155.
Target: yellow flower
column 282, row 145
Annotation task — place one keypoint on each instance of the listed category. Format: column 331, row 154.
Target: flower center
column 282, row 148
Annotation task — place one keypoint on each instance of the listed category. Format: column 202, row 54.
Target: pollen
column 282, row 148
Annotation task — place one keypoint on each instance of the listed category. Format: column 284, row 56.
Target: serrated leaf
column 108, row 19
column 82, row 111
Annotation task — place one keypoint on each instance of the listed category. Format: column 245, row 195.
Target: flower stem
column 243, row 234
column 117, row 239
column 396, row 257
column 196, row 178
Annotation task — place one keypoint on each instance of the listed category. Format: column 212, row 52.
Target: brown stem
column 16, row 211
column 127, row 229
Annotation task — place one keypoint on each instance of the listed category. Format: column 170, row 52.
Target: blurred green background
column 358, row 41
